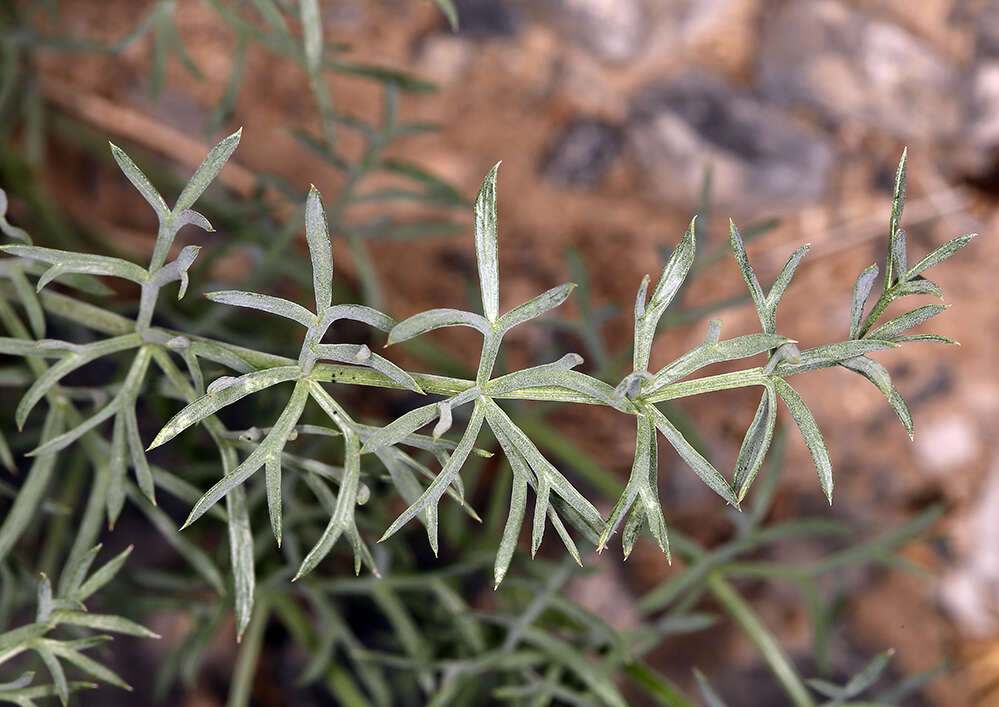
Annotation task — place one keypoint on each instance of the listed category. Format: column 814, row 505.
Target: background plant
column 444, row 648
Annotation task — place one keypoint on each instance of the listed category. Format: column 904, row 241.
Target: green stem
column 769, row 648
column 249, row 652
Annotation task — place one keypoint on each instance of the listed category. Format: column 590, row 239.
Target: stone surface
column 678, row 126
column 852, row 67
column 582, row 153
column 488, row 18
column 613, row 29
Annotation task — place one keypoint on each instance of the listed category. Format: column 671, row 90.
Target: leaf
column 878, row 375
column 272, row 480
column 312, row 34
column 357, row 313
column 241, row 557
column 501, row 423
column 75, row 572
column 265, row 303
column 9, row 230
column 342, row 519
column 939, row 255
column 486, row 244
column 715, row 352
column 212, row 402
column 897, row 203
column 783, row 281
column 55, row 669
column 26, row 677
column 24, row 509
column 701, row 466
column 547, row 374
column 62, row 441
column 670, row 281
column 535, row 307
column 752, row 282
column 515, row 516
column 861, row 291
column 320, row 250
column 273, row 444
column 140, row 182
column 656, row 685
column 898, row 255
column 594, row 677
column 894, row 327
column 101, row 577
column 919, row 286
column 117, row 472
column 87, row 665
column 810, row 431
column 450, row 12
column 756, row 443
column 29, row 300
column 361, row 355
column 193, row 218
column 208, row 170
column 64, row 261
column 432, row 319
column 102, row 622
column 711, row 697
column 433, row 493
column 830, row 354
column 868, row 675
column 400, row 428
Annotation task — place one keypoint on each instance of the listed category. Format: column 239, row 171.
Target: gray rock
column 677, row 127
column 849, row 66
column 583, row 152
column 614, row 30
column 488, row 18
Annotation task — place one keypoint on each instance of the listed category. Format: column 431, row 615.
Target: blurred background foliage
column 615, row 121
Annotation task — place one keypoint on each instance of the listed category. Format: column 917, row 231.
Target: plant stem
column 249, row 652
column 768, row 646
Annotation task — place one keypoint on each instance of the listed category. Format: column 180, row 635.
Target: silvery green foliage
column 556, row 500
column 64, row 606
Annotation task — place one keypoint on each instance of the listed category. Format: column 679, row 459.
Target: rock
column 583, row 152
column 850, row 67
column 612, row 29
column 947, row 444
column 757, row 155
column 968, row 591
column 488, row 18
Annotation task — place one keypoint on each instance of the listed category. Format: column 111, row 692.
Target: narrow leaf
column 536, row 307
column 101, row 577
column 435, row 319
column 861, row 291
column 64, row 261
column 265, row 303
column 701, row 466
column 894, row 327
column 102, row 622
column 312, row 34
column 810, row 431
column 752, row 282
column 756, row 443
column 320, row 250
column 486, row 244
column 940, row 254
column 212, row 402
column 208, row 170
column 446, row 476
column 140, row 181
column 670, row 281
